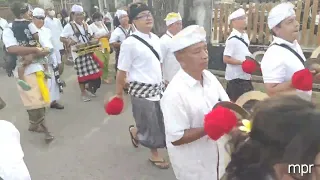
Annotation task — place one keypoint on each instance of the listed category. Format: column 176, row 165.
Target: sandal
column 134, row 141
column 160, row 164
column 24, row 85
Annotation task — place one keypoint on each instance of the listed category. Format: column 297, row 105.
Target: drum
column 87, row 48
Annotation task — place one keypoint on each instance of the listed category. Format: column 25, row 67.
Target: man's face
column 38, row 21
column 288, row 29
column 177, row 26
column 144, row 20
column 194, row 58
column 79, row 17
column 124, row 20
column 240, row 22
column 27, row 15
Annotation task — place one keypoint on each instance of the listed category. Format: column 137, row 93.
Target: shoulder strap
column 242, row 40
column 148, row 45
column 168, row 35
column 293, row 51
column 75, row 29
column 124, row 32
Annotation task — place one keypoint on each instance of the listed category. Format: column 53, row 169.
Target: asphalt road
column 89, row 144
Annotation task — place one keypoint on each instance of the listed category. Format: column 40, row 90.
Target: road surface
column 89, row 145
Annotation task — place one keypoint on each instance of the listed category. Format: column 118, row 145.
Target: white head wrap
column 120, row 13
column 172, row 18
column 187, row 37
column 38, row 12
column 238, row 13
column 77, row 8
column 280, row 13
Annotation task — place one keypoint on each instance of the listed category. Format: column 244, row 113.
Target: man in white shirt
column 33, row 100
column 140, row 58
column 120, row 33
column 235, row 52
column 53, row 25
column 170, row 65
column 191, row 94
column 87, row 68
column 12, row 165
column 3, row 24
column 284, row 58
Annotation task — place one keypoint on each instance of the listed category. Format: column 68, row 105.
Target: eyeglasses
column 144, row 16
column 38, row 17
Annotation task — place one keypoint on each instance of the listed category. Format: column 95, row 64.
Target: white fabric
column 237, row 50
column 280, row 13
column 279, row 64
column 53, row 86
column 120, row 13
column 238, row 13
column 118, row 35
column 184, row 105
column 77, row 8
column 67, row 32
column 12, row 166
column 9, row 40
column 56, row 29
column 99, row 31
column 170, row 65
column 38, row 12
column 187, row 37
column 3, row 24
column 172, row 18
column 139, row 61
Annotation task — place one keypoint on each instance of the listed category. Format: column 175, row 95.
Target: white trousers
column 53, row 86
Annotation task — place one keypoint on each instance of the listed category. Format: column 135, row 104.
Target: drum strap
column 85, row 37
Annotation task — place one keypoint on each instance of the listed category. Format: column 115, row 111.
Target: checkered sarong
column 144, row 90
column 85, row 65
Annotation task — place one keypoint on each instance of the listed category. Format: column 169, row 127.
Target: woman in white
column 101, row 32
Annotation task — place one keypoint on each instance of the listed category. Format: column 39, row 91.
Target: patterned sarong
column 87, row 69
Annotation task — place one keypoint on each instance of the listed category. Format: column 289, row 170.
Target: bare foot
column 107, row 81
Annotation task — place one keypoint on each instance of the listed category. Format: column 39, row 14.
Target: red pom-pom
column 302, row 80
column 249, row 66
column 96, row 59
column 219, row 122
column 114, row 107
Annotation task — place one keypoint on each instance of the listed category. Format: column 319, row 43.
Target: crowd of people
column 210, row 133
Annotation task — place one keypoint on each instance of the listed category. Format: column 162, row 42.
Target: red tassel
column 249, row 66
column 219, row 121
column 114, row 107
column 302, row 80
column 97, row 60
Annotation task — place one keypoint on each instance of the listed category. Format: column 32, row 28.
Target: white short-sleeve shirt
column 170, row 65
column 68, row 32
column 12, row 165
column 139, row 61
column 119, row 35
column 56, row 28
column 184, row 105
column 237, row 50
column 279, row 64
column 99, row 31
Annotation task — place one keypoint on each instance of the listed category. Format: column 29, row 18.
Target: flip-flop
column 134, row 142
column 159, row 165
column 25, row 86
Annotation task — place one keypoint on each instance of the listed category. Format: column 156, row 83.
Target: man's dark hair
column 19, row 8
column 97, row 15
